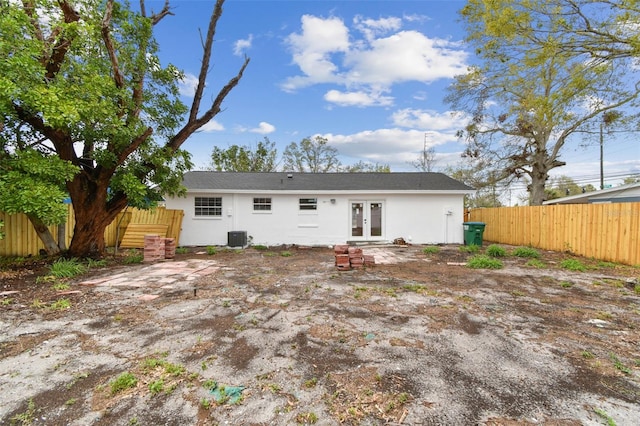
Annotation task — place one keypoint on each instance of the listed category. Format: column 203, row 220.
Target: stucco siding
column 418, row 218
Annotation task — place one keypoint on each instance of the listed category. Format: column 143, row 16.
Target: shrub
column 495, row 250
column 481, row 261
column 526, row 252
column 431, row 250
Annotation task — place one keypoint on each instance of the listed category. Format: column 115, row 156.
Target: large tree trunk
column 45, row 235
column 93, row 214
column 536, row 191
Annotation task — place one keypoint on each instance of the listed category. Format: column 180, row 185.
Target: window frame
column 308, row 204
column 262, row 204
column 213, row 207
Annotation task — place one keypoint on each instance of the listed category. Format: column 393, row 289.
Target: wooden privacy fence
column 603, row 231
column 21, row 240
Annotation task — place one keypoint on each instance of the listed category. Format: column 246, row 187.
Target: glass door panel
column 375, row 219
column 357, row 219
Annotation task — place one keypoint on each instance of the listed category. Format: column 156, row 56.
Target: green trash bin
column 473, row 233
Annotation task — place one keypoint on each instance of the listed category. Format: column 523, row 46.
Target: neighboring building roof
column 283, row 181
column 619, row 194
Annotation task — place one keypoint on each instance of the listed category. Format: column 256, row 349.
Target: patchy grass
column 431, row 250
column 132, row 257
column 481, row 261
column 529, row 252
column 123, row 382
column 535, row 263
column 471, row 248
column 495, row 250
column 573, row 265
column 67, row 268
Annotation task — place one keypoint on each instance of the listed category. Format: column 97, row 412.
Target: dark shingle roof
column 283, row 181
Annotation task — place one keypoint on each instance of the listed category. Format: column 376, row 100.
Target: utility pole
column 601, row 158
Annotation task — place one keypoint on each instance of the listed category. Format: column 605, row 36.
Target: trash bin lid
column 474, row 223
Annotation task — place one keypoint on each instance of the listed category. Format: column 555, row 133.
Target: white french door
column 366, row 220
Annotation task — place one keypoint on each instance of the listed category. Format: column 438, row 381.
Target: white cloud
column 374, row 27
column 264, row 128
column 212, row 126
column 327, row 52
column 430, row 120
column 242, row 45
column 313, row 47
column 187, row 85
column 360, row 98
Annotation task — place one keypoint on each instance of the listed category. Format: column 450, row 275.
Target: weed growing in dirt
column 526, row 252
column 27, row 417
column 618, row 364
column 605, row 316
column 92, row 263
column 205, row 403
column 573, row 265
column 603, row 414
column 260, row 247
column 182, row 250
column 566, row 284
column 535, row 263
column 495, row 250
column 471, row 248
column 270, row 254
column 587, row 355
column 123, row 382
column 307, row 418
column 481, row 261
column 431, row 250
column 37, row 304
column 133, row 257
column 603, row 264
column 286, row 254
column 60, row 304
column 156, row 386
column 416, row 288
column 211, row 250
column 311, row 383
column 7, row 301
column 67, row 268
column 209, row 384
column 61, row 286
column 70, row 401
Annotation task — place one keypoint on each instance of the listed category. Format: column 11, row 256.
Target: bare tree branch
column 108, row 43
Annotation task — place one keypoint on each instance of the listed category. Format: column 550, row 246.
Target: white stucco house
column 320, row 208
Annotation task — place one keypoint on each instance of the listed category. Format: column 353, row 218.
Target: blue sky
column 370, row 76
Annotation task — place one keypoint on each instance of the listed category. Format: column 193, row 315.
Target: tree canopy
column 312, row 156
column 87, row 81
column 262, row 158
column 532, row 89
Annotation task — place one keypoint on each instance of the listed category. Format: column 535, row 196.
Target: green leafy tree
column 364, row 167
column 564, row 186
column 530, row 93
column 86, row 78
column 33, row 184
column 312, row 156
column 237, row 158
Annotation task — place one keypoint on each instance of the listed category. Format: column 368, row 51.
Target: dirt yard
column 280, row 337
